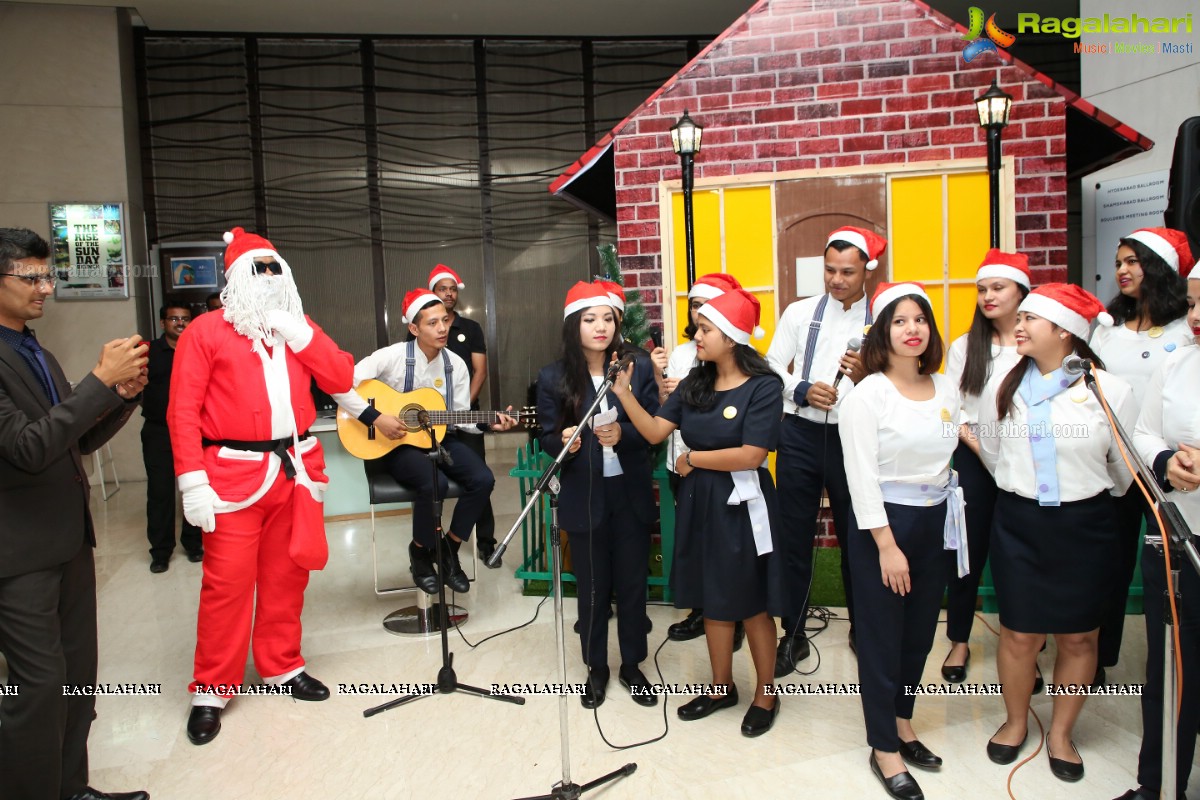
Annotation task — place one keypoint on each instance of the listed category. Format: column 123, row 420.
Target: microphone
column 852, row 346
column 1074, row 365
column 620, row 366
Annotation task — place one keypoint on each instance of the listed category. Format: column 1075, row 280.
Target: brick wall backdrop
column 802, row 84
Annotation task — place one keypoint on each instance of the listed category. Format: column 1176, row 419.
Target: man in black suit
column 47, row 572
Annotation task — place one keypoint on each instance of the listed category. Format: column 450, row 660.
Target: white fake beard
column 249, row 297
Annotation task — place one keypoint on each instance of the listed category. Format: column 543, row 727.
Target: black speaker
column 1183, row 198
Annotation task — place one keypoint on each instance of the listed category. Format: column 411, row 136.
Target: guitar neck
column 460, row 417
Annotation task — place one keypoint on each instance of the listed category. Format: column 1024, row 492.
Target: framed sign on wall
column 88, row 250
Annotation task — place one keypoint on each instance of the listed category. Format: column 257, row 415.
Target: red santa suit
column 230, row 395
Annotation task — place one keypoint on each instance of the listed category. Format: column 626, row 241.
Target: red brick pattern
column 802, row 84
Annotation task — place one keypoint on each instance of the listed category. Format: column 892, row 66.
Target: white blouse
column 887, row 437
column 1170, row 417
column 1088, row 457
column 679, row 364
column 1004, row 358
column 1137, row 356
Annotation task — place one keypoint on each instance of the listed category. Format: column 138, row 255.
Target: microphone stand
column 1177, row 538
column 447, row 680
column 564, row 789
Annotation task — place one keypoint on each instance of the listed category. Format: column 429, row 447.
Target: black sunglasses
column 263, row 267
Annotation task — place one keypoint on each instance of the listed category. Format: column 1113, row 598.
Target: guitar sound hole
column 409, row 417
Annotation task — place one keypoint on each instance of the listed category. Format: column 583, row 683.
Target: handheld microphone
column 852, row 346
column 620, row 366
column 1074, row 365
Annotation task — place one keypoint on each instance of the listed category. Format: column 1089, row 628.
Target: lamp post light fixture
column 685, row 141
column 993, row 106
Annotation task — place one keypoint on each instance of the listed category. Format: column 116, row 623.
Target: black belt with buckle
column 277, row 446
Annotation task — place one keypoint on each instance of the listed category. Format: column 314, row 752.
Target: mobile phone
column 656, row 335
column 143, row 343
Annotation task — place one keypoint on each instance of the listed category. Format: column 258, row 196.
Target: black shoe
column 452, row 571
column 918, row 755
column 791, row 651
column 159, row 565
column 195, row 556
column 1039, row 685
column 704, row 705
column 1065, row 770
column 594, row 688
column 1004, row 753
column 690, row 627
column 1139, row 793
column 306, row 687
column 95, row 794
column 1100, row 679
column 901, row 786
column 632, row 679
column 956, row 674
column 486, row 549
column 421, row 566
column 758, row 720
column 739, row 635
column 203, row 725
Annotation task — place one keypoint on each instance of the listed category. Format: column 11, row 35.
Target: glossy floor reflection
column 466, row 747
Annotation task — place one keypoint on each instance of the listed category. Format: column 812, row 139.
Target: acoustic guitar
column 363, row 441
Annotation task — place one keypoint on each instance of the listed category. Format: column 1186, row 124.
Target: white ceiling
column 574, row 18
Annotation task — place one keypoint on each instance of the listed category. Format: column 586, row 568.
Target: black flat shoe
column 690, row 627
column 702, row 706
column 739, row 635
column 203, row 725
column 95, row 794
column 791, row 651
column 306, row 687
column 901, row 786
column 639, row 688
column 594, row 688
column 1140, row 793
column 451, row 569
column 956, row 674
column 758, row 720
column 159, row 565
column 195, row 556
column 918, row 755
column 486, row 549
column 420, row 564
column 1004, row 753
column 1065, row 770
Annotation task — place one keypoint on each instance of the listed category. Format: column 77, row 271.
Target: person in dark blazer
column 47, row 571
column 607, row 502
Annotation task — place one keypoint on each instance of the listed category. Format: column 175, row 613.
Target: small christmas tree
column 636, row 327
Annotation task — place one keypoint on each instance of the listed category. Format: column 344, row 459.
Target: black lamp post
column 685, row 141
column 993, row 106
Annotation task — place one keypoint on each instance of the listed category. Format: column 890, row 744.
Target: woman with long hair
column 906, row 511
column 1054, row 455
column 726, row 528
column 1148, row 312
column 606, row 503
column 986, row 352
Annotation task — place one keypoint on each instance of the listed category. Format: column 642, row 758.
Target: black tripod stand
column 565, row 789
column 447, row 680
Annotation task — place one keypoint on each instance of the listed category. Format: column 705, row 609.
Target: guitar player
column 426, row 362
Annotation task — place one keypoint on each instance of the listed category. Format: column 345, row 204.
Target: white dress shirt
column 387, row 365
column 680, row 363
column 1137, row 356
column 1003, row 360
column 887, row 437
column 1170, row 417
column 838, row 327
column 1088, row 458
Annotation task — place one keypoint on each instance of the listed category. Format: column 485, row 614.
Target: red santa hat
column 417, row 299
column 736, row 314
column 1067, row 306
column 241, row 247
column 1168, row 244
column 870, row 242
column 586, row 295
column 713, row 284
column 615, row 293
column 440, row 273
column 999, row 264
column 888, row 293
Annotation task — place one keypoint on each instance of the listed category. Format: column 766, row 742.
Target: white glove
column 295, row 331
column 199, row 507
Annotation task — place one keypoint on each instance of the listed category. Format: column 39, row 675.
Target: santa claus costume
column 252, row 477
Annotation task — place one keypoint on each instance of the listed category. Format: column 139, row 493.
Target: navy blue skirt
column 1053, row 566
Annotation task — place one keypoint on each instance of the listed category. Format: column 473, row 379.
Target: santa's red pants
column 252, row 592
